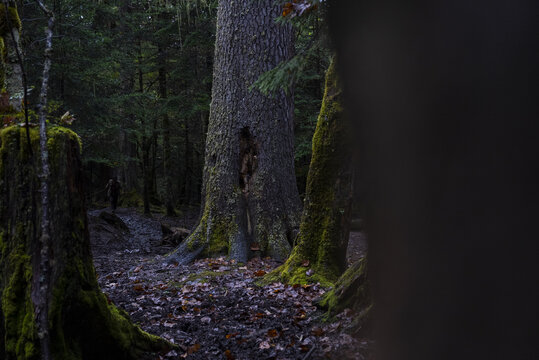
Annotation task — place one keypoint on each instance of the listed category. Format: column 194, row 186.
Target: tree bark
column 42, row 275
column 82, row 324
column 352, row 292
column 169, row 200
column 325, row 223
column 249, row 195
column 11, row 76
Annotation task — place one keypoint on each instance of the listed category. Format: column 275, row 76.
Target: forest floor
column 212, row 309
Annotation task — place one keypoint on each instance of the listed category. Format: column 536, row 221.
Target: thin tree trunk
column 146, row 145
column 167, row 168
column 40, row 287
column 249, row 196
column 146, row 190
column 188, row 171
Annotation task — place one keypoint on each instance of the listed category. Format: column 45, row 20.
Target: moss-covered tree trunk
column 250, row 198
column 320, row 253
column 351, row 291
column 82, row 322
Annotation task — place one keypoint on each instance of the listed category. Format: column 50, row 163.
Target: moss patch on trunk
column 83, row 323
column 320, row 253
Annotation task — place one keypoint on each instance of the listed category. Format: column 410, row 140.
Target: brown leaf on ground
column 229, row 355
column 193, row 349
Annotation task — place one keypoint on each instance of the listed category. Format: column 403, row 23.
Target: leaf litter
column 212, row 308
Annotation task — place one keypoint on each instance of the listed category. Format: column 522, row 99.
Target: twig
column 309, row 353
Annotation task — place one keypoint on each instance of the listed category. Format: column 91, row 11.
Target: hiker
column 113, row 192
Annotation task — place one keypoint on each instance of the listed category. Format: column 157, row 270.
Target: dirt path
column 212, row 309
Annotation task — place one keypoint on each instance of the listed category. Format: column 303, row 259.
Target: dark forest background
column 137, row 76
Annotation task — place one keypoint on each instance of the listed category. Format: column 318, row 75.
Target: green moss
column 350, row 291
column 14, row 20
column 212, row 235
column 220, row 236
column 58, row 138
column 20, row 331
column 80, row 316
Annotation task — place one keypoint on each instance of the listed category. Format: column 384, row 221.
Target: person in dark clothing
column 113, row 192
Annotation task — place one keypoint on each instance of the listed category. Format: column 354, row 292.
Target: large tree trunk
column 82, row 322
column 249, row 195
column 325, row 224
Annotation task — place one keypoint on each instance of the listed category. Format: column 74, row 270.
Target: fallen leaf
column 305, row 263
column 228, row 336
column 264, row 345
column 316, row 331
column 229, row 355
column 260, row 273
column 193, row 349
column 272, row 333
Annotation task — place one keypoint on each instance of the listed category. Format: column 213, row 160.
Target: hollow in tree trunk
column 320, row 253
column 83, row 324
column 250, row 201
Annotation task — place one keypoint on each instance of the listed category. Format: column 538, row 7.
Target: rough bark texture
column 82, row 323
column 325, row 223
column 250, row 198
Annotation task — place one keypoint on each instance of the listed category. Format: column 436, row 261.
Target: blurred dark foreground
column 444, row 97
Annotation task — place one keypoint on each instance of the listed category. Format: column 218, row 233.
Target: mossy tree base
column 320, row 253
column 83, row 324
column 351, row 291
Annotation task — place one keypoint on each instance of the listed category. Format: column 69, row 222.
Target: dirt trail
column 212, row 309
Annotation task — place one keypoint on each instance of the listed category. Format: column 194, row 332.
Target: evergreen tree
column 250, row 197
